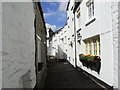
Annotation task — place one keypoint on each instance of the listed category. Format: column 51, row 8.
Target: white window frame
column 78, row 17
column 90, row 9
column 86, row 47
column 93, row 17
column 95, row 46
column 90, row 46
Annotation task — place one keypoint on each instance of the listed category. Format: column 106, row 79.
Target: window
column 72, row 8
column 78, row 19
column 65, row 39
column 86, row 47
column 78, row 12
column 90, row 5
column 95, row 46
column 72, row 19
column 99, row 45
column 92, row 45
column 55, row 40
column 78, row 35
column 62, row 39
column 67, row 18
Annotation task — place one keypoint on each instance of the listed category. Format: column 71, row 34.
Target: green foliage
column 92, row 62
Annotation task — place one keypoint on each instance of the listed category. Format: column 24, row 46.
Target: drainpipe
column 75, row 38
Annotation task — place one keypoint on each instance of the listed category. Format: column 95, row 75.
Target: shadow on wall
column 92, row 62
column 61, row 55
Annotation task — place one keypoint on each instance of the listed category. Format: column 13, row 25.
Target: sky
column 54, row 14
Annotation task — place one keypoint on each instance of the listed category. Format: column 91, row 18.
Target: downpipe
column 75, row 40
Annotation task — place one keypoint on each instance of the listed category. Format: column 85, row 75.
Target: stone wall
column 18, row 45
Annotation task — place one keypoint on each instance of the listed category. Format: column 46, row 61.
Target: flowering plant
column 86, row 55
column 81, row 54
column 91, row 61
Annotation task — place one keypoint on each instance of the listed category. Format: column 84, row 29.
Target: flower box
column 91, row 61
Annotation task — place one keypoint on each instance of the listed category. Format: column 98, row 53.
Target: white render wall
column 101, row 26
column 119, row 45
column 70, row 33
column 48, row 46
column 0, row 45
column 106, row 26
column 115, row 42
column 18, row 45
column 59, row 47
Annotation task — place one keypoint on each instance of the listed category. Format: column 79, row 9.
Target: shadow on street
column 64, row 75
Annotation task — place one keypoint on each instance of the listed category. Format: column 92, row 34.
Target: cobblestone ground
column 64, row 75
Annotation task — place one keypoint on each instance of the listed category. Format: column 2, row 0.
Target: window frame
column 90, row 9
column 78, row 17
column 95, row 46
column 92, row 45
column 91, row 4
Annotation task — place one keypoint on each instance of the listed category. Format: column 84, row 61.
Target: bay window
column 92, row 45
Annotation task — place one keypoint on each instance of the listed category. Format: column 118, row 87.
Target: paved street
column 64, row 75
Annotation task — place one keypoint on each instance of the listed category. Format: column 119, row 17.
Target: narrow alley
column 54, row 44
column 64, row 75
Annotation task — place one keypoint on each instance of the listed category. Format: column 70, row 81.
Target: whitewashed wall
column 58, row 46
column 70, row 32
column 106, row 26
column 0, row 44
column 119, row 45
column 101, row 26
column 18, row 45
column 48, row 46
column 115, row 30
column 115, row 42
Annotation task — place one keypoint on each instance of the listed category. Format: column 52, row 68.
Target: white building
column 95, row 28
column 23, row 45
column 70, row 33
column 48, row 37
column 92, row 28
column 116, row 44
column 58, row 43
column 18, row 45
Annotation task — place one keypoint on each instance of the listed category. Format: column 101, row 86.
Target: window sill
column 79, row 30
column 90, row 21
